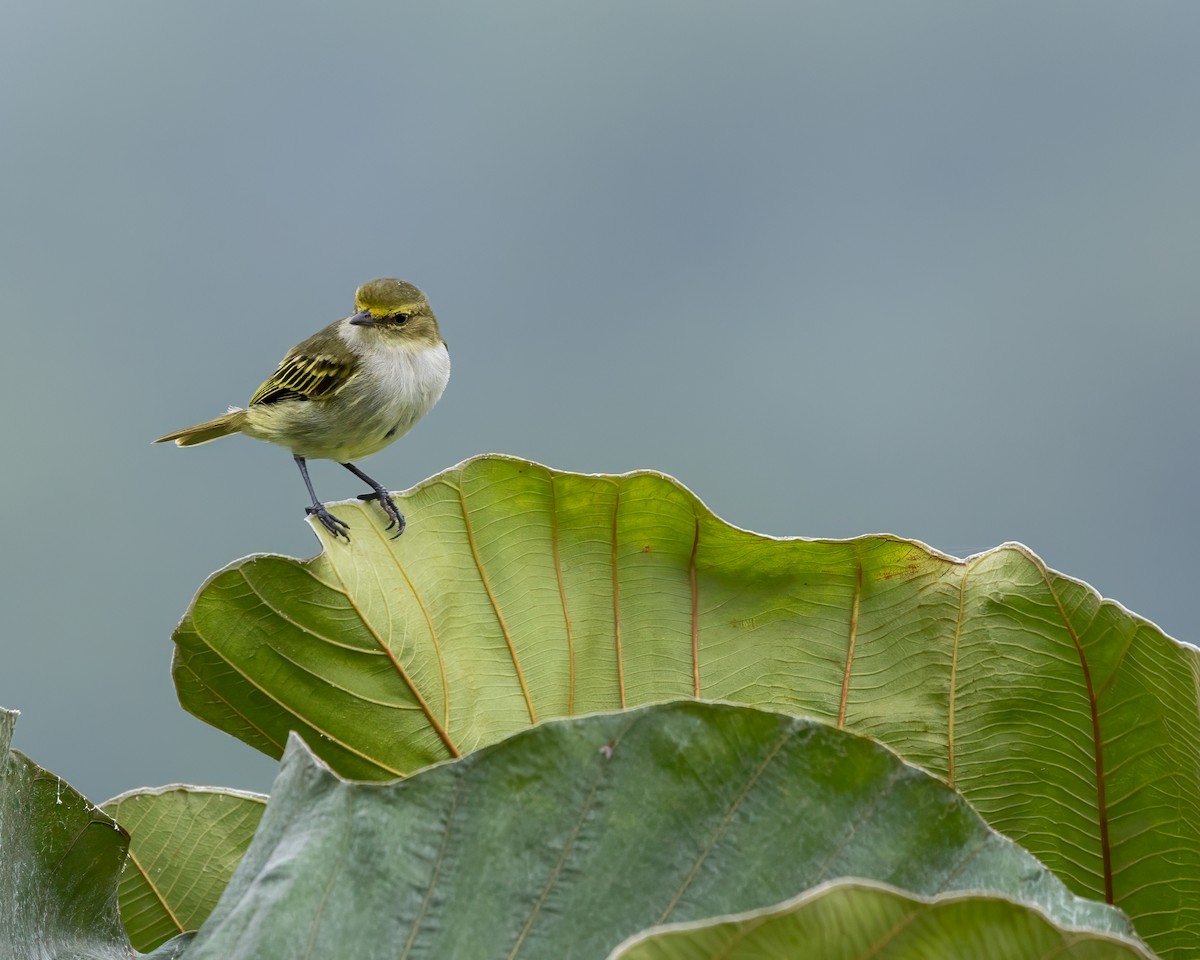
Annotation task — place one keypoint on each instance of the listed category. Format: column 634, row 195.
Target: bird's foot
column 395, row 517
column 331, row 523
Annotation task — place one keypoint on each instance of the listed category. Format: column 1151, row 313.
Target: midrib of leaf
column 158, row 894
column 487, row 585
column 433, row 639
column 562, row 594
column 853, row 636
column 1097, row 742
column 695, row 590
column 401, row 672
column 958, row 622
column 616, row 599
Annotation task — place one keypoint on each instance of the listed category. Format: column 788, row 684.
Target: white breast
column 395, row 387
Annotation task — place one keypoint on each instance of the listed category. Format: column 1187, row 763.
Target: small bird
column 347, row 391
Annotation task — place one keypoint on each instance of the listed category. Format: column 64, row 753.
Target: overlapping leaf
column 860, row 921
column 184, row 845
column 59, row 862
column 520, row 593
column 564, row 840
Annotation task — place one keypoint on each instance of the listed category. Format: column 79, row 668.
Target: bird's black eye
column 401, row 318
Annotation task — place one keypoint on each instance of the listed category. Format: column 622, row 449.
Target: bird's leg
column 395, row 517
column 331, row 523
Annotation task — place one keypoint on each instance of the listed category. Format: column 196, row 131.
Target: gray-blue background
column 842, row 268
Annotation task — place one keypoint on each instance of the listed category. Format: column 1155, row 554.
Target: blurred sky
column 842, row 268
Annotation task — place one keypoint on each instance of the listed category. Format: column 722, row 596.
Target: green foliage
column 858, row 921
column 59, row 861
column 186, row 843
column 521, row 593
column 565, row 839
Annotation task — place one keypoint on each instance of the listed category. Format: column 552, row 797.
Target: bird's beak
column 363, row 319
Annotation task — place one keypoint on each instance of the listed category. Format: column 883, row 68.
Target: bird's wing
column 306, row 375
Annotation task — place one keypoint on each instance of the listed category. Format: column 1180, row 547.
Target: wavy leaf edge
column 833, row 887
column 1015, row 546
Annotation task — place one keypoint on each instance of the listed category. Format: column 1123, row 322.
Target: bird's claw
column 338, row 528
column 395, row 517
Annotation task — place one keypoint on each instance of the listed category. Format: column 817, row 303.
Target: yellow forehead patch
column 387, row 296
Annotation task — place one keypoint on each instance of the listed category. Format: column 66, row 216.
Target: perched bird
column 347, row 391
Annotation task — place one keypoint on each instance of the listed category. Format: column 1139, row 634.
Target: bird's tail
column 204, row 432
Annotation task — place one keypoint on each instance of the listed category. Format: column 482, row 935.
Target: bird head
column 396, row 309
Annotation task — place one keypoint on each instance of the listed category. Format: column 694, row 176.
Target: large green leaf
column 860, row 921
column 59, row 862
column 521, row 593
column 565, row 839
column 184, row 843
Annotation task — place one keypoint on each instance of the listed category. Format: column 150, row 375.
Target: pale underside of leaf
column 522, row 593
column 185, row 843
column 853, row 920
